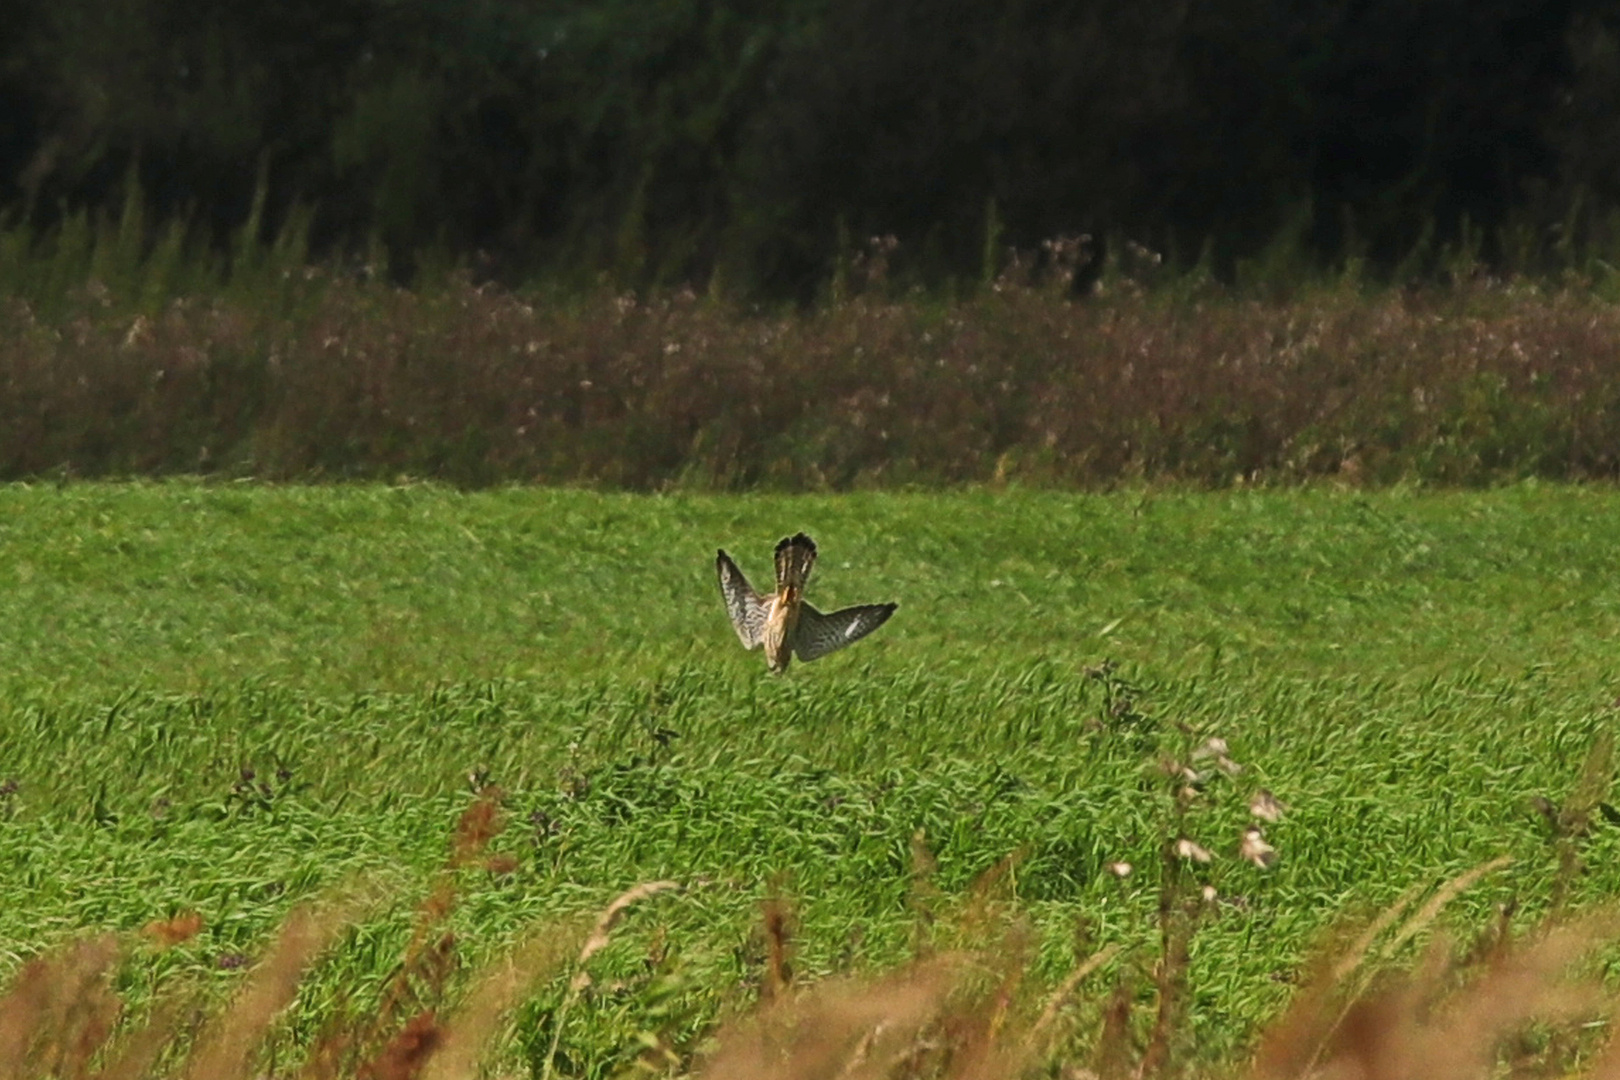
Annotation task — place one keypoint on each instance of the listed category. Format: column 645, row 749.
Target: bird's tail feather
column 795, row 556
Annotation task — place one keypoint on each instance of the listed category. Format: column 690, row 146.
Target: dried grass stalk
column 1434, row 1023
column 60, row 1011
column 598, row 940
column 224, row 1049
column 841, row 1029
column 495, row 991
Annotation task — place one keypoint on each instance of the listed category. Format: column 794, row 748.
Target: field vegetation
column 1229, row 393
column 225, row 700
column 123, row 356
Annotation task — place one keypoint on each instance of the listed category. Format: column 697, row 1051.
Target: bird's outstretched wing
column 746, row 607
column 818, row 634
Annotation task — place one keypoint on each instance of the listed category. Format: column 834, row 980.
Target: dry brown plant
column 953, row 1015
column 601, row 934
column 495, row 991
column 172, row 931
column 224, row 1048
column 1446, row 1018
column 778, row 924
column 1440, row 1021
column 135, row 1056
column 59, row 1011
column 839, row 1030
column 397, row 1039
column 973, row 1012
column 408, row 1051
column 476, row 386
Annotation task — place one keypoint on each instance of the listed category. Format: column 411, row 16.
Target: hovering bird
column 783, row 622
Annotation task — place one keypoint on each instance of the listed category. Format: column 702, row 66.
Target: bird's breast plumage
column 779, row 628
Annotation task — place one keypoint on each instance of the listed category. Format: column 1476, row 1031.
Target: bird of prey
column 782, row 621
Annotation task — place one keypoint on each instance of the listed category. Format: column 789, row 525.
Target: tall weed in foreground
column 1505, row 1006
column 968, row 1006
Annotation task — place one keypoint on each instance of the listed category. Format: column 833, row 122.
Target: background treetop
column 670, row 141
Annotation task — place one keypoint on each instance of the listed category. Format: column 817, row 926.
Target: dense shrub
column 477, row 385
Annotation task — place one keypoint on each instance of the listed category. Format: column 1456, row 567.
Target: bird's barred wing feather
column 818, row 634
column 748, row 610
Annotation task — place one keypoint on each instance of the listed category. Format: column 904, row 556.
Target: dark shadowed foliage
column 741, row 144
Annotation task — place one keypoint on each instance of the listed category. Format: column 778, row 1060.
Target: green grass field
column 1407, row 670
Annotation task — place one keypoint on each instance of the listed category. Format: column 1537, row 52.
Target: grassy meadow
column 226, row 698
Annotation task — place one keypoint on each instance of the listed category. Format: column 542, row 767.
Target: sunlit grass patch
column 224, row 701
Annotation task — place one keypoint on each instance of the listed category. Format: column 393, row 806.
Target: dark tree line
column 672, row 140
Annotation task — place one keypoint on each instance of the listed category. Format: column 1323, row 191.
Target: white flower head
column 1255, row 849
column 1188, row 849
column 1266, row 806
